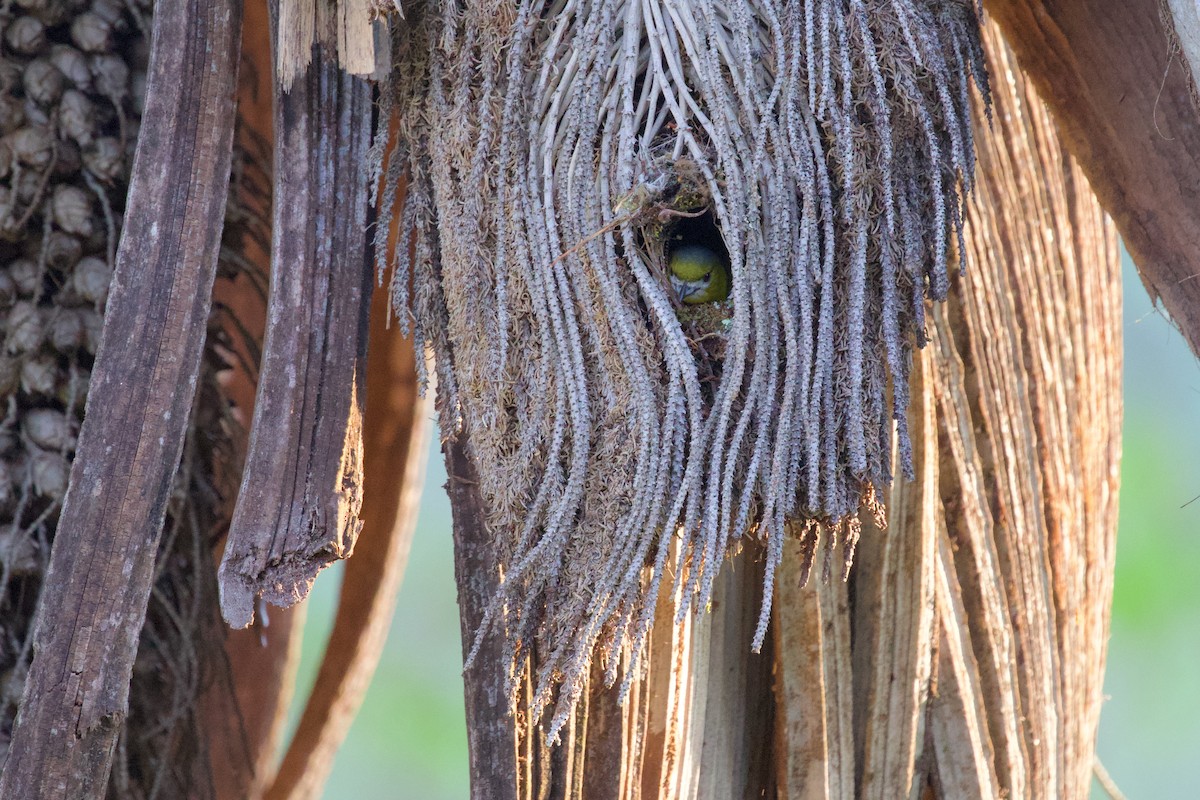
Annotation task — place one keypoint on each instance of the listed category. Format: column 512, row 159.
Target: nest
column 829, row 144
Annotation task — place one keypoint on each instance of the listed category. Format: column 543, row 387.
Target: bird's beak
column 683, row 289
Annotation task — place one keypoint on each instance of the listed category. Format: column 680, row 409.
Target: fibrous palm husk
column 550, row 150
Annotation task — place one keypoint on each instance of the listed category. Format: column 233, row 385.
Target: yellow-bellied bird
column 699, row 275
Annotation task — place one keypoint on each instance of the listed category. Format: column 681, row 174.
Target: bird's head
column 699, row 275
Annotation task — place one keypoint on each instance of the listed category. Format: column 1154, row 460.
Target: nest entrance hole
column 688, row 231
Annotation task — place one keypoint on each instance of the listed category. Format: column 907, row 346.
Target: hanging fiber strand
column 548, row 149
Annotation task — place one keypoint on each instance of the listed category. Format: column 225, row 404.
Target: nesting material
column 550, row 149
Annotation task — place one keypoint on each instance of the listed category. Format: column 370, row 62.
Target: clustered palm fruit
column 72, row 85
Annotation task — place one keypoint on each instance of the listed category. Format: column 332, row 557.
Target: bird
column 699, row 275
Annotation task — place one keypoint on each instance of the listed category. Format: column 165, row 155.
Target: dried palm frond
column 72, row 93
column 72, row 75
column 550, row 151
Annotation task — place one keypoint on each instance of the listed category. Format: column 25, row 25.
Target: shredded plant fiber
column 549, row 149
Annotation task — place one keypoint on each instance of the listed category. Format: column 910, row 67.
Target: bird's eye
column 707, row 276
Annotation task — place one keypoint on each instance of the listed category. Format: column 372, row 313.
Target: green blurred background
column 409, row 741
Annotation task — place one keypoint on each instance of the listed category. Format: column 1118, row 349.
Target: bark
column 342, row 28
column 262, row 661
column 491, row 731
column 394, row 463
column 263, row 657
column 814, row 744
column 143, row 385
column 1122, row 103
column 892, row 616
column 301, row 492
